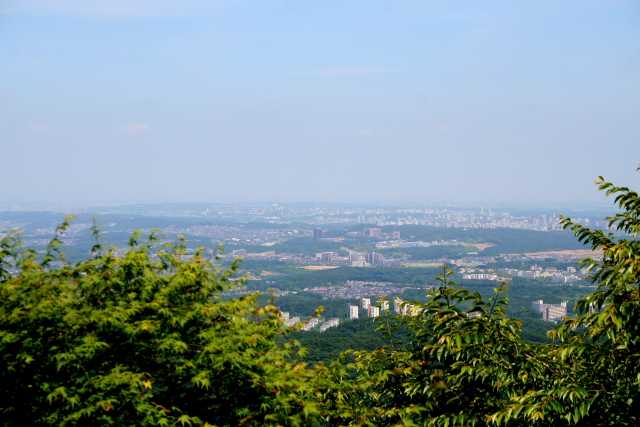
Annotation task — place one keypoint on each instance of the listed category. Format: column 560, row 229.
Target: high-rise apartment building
column 353, row 311
column 550, row 311
column 329, row 256
column 397, row 305
column 372, row 232
column 375, row 258
column 329, row 323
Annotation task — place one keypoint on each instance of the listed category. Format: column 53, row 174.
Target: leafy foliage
column 141, row 338
column 601, row 379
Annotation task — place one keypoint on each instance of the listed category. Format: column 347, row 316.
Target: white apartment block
column 550, row 311
column 353, row 311
column 329, row 323
column 484, row 276
column 397, row 305
column 292, row 321
column 312, row 323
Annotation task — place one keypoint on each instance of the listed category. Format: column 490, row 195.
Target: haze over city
column 192, row 101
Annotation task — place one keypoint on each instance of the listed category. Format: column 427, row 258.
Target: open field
column 480, row 246
column 467, row 264
column 269, row 273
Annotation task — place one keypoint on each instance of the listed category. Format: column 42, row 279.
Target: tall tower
column 317, row 234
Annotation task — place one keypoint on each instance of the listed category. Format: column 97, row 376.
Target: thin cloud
column 365, row 133
column 38, row 127
column 135, row 129
column 339, row 72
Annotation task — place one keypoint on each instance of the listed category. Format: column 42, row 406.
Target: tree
column 599, row 383
column 141, row 338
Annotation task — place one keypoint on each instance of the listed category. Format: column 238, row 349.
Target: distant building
column 566, row 279
column 311, row 323
column 365, row 302
column 484, row 276
column 384, row 306
column 329, row 323
column 357, row 256
column 292, row 321
column 317, row 234
column 395, row 234
column 353, row 311
column 239, row 252
column 397, row 305
column 374, row 258
column 329, row 256
column 373, row 311
column 550, row 311
column 530, row 274
column 372, row 232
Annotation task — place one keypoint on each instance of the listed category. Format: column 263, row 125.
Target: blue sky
column 479, row 101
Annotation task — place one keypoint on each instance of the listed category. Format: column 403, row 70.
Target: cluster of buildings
column 238, row 234
column 354, row 259
column 365, row 303
column 355, row 289
column 399, row 306
column 310, row 324
column 328, row 214
column 420, row 244
column 569, row 275
column 475, row 219
column 485, row 276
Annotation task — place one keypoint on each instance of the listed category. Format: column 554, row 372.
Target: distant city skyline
column 484, row 103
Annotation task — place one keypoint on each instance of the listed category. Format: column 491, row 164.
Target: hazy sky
column 143, row 100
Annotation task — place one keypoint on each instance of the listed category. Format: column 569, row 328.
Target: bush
column 139, row 339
